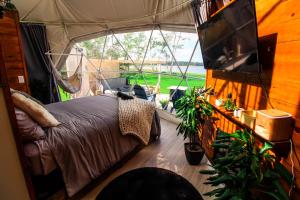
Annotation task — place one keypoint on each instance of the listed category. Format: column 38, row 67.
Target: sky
column 188, row 43
column 185, row 53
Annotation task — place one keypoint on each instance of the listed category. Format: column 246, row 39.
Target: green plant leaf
column 222, row 179
column 272, row 194
column 255, row 167
column 220, row 145
column 236, row 198
column 243, row 167
column 281, row 190
column 271, row 174
column 208, row 172
column 225, row 196
column 283, row 172
column 267, row 146
column 215, row 192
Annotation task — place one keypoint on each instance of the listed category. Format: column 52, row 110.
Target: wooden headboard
column 14, row 63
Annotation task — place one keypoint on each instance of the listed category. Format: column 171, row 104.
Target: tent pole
column 188, row 65
column 102, row 53
column 148, row 44
column 63, row 54
column 31, row 10
column 101, row 75
column 182, row 75
column 142, row 65
column 99, row 72
column 170, row 50
column 82, row 54
column 125, row 51
column 139, row 70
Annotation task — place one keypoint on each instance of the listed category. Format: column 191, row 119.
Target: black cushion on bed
column 124, row 96
column 149, row 184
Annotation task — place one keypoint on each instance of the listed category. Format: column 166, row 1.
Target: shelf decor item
column 274, row 125
column 248, row 117
column 164, row 104
column 229, row 104
column 9, row 5
column 245, row 171
column 219, row 102
column 193, row 109
column 238, row 112
column 6, row 5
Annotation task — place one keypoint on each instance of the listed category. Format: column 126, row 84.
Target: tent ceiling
column 69, row 21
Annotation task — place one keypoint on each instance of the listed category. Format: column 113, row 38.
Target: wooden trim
column 14, row 125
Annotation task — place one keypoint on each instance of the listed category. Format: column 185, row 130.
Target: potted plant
column 6, row 5
column 164, row 103
column 229, row 104
column 9, row 5
column 245, row 171
column 193, row 109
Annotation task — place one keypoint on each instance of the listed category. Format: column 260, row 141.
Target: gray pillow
column 29, row 129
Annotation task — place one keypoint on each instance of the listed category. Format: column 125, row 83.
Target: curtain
column 41, row 80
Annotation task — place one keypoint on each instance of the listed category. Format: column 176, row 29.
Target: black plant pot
column 165, row 107
column 195, row 155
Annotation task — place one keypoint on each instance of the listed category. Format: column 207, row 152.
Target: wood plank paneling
column 283, row 87
column 12, row 51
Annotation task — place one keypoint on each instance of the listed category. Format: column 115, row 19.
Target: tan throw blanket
column 135, row 118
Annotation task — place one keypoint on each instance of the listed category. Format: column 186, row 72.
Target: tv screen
column 229, row 40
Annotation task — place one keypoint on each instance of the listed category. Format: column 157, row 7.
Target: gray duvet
column 88, row 141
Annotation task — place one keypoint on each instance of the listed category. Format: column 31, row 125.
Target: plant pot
column 193, row 156
column 164, row 107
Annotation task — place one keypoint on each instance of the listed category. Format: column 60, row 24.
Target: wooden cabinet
column 14, row 63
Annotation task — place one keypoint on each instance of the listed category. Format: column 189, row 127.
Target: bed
column 86, row 144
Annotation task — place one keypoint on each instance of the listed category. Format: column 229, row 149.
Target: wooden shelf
column 281, row 148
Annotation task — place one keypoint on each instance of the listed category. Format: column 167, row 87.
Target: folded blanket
column 135, row 118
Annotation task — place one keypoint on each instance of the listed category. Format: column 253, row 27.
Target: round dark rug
column 149, row 183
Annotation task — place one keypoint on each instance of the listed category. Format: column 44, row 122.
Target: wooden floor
column 167, row 153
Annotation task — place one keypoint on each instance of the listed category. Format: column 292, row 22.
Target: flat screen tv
column 229, row 39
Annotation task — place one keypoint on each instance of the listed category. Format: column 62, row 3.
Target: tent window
column 154, row 59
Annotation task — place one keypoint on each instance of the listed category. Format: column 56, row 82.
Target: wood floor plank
column 167, row 153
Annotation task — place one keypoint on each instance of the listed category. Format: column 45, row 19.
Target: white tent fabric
column 70, row 21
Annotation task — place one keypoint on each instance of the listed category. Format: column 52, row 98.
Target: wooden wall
column 12, row 52
column 281, row 81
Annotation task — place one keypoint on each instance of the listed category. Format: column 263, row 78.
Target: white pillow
column 34, row 110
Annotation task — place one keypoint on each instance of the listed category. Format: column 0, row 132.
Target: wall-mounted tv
column 229, row 39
